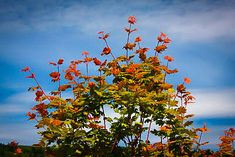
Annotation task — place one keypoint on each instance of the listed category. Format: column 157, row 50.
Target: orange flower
column 106, row 51
column 31, row 116
column 60, row 61
column 18, row 151
column 138, row 39
column 132, row 19
column 187, row 80
column 168, row 58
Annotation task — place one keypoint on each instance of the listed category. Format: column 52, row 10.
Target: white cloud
column 213, row 103
column 17, row 103
column 24, row 133
column 180, row 20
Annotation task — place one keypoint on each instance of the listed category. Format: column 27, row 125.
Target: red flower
column 138, row 39
column 31, row 115
column 60, row 61
column 25, row 69
column 96, row 61
column 187, row 80
column 168, row 58
column 132, row 19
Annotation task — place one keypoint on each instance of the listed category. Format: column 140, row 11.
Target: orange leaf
column 64, row 87
column 31, row 115
column 31, row 76
column 138, row 39
column 96, row 61
column 131, row 19
column 60, row 61
column 169, row 58
column 160, row 48
column 187, row 80
column 18, row 151
column 106, row 51
column 53, row 63
column 25, row 69
column 129, row 46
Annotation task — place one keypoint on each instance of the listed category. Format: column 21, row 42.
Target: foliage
column 134, row 86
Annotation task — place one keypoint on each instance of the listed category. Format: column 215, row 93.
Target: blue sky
column 32, row 33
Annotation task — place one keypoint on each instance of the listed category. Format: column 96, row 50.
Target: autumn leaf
column 106, row 51
column 55, row 76
column 31, row 115
column 131, row 19
column 53, row 63
column 167, row 40
column 56, row 122
column 64, row 87
column 115, row 71
column 129, row 46
column 160, row 48
column 169, row 58
column 138, row 39
column 19, row 151
column 187, row 80
column 91, row 84
column 60, row 61
column 97, row 61
column 25, row 69
column 85, row 53
column 161, row 37
column 31, row 76
column 181, row 88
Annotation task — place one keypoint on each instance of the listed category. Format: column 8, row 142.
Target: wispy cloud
column 197, row 20
column 17, row 103
column 213, row 103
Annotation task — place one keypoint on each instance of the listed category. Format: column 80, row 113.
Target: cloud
column 194, row 21
column 213, row 103
column 24, row 133
column 17, row 103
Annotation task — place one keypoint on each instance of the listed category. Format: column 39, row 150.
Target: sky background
column 33, row 33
